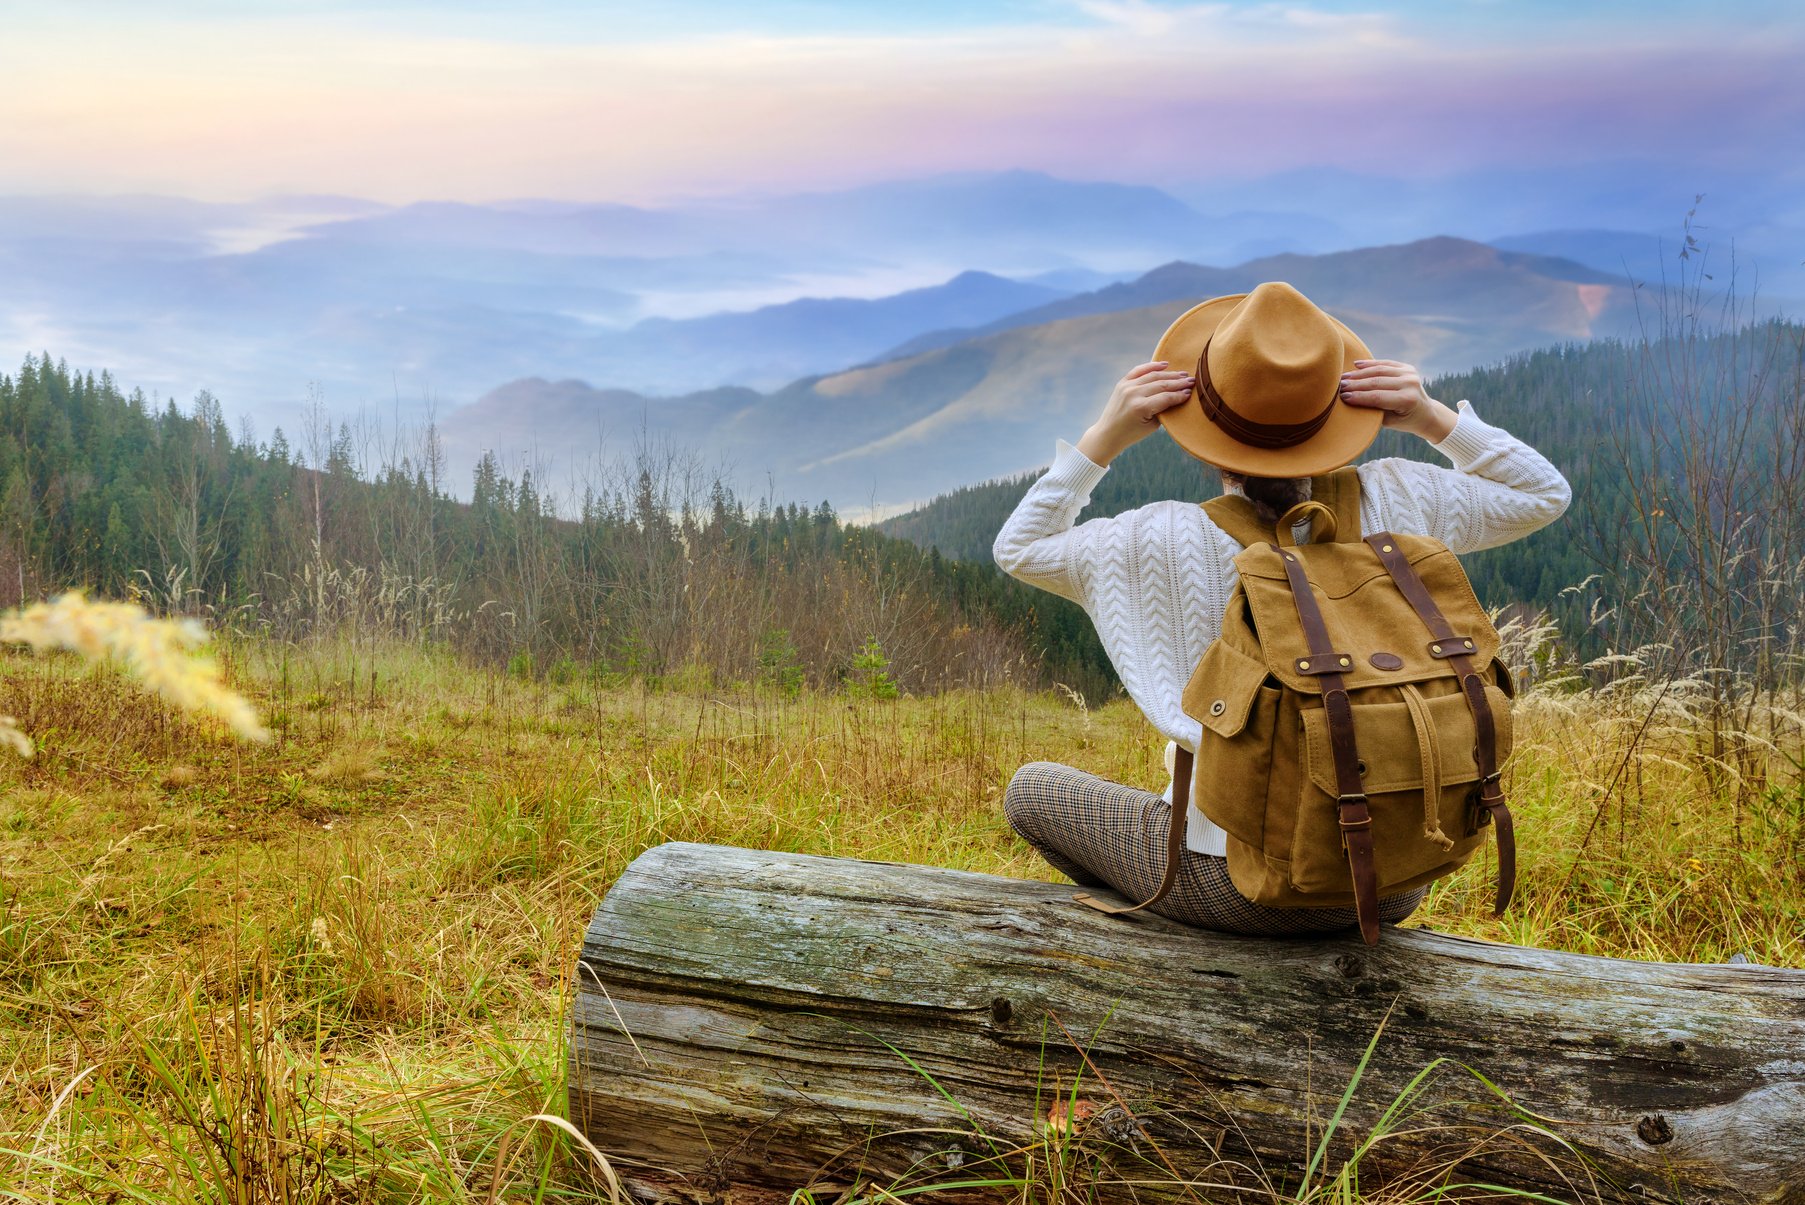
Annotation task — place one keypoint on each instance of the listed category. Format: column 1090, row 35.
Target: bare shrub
column 1702, row 535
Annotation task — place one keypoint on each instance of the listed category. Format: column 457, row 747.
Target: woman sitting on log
column 1156, row 580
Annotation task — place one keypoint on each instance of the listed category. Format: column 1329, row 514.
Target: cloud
column 1128, row 89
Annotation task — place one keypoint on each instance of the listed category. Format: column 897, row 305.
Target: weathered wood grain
column 748, row 1023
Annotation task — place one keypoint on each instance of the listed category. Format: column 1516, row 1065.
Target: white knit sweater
column 1156, row 580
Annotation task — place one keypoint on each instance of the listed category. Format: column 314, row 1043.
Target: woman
column 1270, row 390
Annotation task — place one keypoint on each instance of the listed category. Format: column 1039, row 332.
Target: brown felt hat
column 1268, row 397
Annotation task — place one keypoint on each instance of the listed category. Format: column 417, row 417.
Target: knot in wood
column 1654, row 1130
column 1351, row 966
column 1120, row 1127
column 1001, row 1010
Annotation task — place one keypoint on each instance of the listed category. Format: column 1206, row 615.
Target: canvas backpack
column 1354, row 711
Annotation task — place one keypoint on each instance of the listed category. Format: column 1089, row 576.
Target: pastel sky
column 651, row 100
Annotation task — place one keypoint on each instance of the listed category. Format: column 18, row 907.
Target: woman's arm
column 1035, row 541
column 1499, row 489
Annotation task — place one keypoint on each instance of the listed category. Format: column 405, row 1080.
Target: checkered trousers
column 1102, row 834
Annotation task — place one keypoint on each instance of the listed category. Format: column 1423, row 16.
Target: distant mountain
column 767, row 347
column 1619, row 253
column 1759, row 205
column 994, row 403
column 1077, row 280
column 1009, row 221
column 264, row 302
column 557, row 424
column 1436, row 280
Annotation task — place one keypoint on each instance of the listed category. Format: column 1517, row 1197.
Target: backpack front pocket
column 1238, row 710
column 1418, row 771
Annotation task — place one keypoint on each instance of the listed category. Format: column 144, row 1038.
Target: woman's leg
column 1100, row 833
column 1061, row 812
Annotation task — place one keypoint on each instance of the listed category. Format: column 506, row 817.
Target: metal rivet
column 1218, row 707
column 1345, row 661
column 1435, row 648
column 1387, row 548
column 1303, row 665
column 1468, row 643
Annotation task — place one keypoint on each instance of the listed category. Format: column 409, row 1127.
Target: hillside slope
column 993, row 404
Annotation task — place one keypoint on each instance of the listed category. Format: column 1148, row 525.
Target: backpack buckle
column 1365, row 821
column 1479, row 811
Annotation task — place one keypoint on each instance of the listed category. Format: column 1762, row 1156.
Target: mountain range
column 424, row 307
column 950, row 408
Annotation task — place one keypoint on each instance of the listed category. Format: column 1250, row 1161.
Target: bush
column 871, row 673
column 778, row 664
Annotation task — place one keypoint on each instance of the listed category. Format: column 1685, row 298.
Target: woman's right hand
column 1133, row 409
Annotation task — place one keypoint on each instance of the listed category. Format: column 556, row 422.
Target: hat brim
column 1349, row 431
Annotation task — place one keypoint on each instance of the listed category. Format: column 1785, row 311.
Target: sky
column 649, row 102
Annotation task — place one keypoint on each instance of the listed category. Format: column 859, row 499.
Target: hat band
column 1247, row 430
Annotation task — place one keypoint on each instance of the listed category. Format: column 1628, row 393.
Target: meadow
column 334, row 967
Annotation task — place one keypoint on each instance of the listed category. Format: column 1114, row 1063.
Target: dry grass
column 332, row 968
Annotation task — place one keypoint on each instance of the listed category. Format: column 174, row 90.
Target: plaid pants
column 1103, row 834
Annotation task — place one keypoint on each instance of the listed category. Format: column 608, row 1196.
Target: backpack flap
column 1231, row 695
column 1222, row 689
column 1378, row 638
column 1390, row 743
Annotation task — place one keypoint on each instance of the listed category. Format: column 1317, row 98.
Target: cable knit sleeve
column 1500, row 489
column 1154, row 581
column 1035, row 544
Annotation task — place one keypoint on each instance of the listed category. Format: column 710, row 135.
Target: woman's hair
column 1271, row 496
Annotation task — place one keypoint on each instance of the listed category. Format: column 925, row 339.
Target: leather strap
column 1485, row 729
column 1428, row 746
column 1309, row 509
column 1182, row 764
column 1250, row 431
column 1351, row 808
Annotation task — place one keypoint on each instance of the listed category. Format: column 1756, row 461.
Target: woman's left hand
column 1133, row 409
column 1397, row 388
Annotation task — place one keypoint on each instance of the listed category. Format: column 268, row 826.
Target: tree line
column 652, row 568
column 1686, row 538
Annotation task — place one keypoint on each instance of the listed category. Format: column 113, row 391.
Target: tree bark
column 748, row 1023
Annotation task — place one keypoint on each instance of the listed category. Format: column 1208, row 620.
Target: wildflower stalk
column 159, row 653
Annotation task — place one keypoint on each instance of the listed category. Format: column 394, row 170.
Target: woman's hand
column 1133, row 409
column 1397, row 388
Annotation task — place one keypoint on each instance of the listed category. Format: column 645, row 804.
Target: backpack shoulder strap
column 1338, row 490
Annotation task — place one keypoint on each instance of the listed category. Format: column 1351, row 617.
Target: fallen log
column 748, row 1024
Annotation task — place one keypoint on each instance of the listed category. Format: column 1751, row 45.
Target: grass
column 333, row 967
